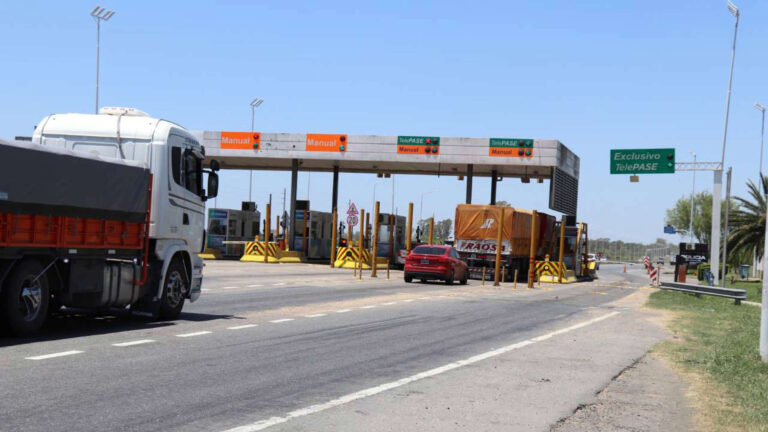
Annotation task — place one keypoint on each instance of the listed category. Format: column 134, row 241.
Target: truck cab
column 172, row 270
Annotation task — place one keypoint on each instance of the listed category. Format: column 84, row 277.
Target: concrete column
column 714, row 242
column 335, row 194
column 469, row 183
column 294, row 186
column 494, row 177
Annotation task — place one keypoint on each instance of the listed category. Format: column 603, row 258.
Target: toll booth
column 690, row 257
column 398, row 235
column 229, row 229
column 576, row 247
column 318, row 232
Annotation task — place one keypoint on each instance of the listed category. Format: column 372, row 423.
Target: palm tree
column 748, row 221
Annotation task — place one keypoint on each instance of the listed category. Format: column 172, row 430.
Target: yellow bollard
column 333, row 239
column 499, row 232
column 375, row 244
column 483, row 280
column 515, row 286
column 305, row 243
column 360, row 250
column 267, row 230
column 532, row 255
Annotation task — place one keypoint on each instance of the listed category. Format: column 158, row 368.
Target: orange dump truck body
column 477, row 229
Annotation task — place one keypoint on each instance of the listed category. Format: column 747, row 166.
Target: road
column 303, row 347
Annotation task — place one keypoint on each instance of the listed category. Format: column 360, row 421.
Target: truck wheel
column 463, row 280
column 175, row 289
column 449, row 281
column 25, row 300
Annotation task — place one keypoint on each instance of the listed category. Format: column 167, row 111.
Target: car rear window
column 429, row 250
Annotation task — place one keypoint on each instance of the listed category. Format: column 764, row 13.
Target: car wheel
column 449, row 280
column 408, row 279
column 464, row 279
column 175, row 290
column 25, row 299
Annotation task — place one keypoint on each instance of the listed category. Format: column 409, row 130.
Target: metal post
column 375, row 243
column 360, row 246
column 497, row 264
column 267, row 230
column 494, row 178
column 410, row 228
column 470, row 169
column 305, row 236
column 532, row 255
column 367, row 233
column 333, row 238
column 764, row 309
column 335, row 193
column 714, row 249
column 431, row 230
column 391, row 242
column 693, row 191
column 561, row 250
column 727, row 210
column 292, row 217
column 735, row 12
column 98, row 31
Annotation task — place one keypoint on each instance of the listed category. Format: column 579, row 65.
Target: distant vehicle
column 101, row 211
column 435, row 262
column 591, row 258
column 660, row 261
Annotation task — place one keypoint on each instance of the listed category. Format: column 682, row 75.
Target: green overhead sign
column 643, row 161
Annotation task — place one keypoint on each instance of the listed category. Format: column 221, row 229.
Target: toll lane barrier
column 347, row 257
column 255, row 251
column 550, row 272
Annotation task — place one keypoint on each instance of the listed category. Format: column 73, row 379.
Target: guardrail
column 736, row 294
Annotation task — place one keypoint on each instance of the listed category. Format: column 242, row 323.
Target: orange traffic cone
column 625, row 268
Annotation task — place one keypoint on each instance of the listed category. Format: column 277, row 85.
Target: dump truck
column 101, row 211
column 476, row 232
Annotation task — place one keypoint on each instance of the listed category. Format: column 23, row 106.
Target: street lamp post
column 99, row 14
column 693, row 191
column 254, row 104
column 717, row 190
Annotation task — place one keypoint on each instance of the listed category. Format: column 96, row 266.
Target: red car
column 427, row 262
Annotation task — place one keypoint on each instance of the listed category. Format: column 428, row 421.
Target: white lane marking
column 244, row 326
column 408, row 300
column 388, row 304
column 425, row 298
column 369, row 307
column 54, row 355
column 277, row 321
column 255, row 286
column 230, row 287
column 205, row 290
column 200, row 333
column 315, row 315
column 278, row 284
column 132, row 343
column 273, row 421
column 343, row 310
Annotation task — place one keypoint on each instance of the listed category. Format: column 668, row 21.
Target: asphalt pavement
column 305, row 347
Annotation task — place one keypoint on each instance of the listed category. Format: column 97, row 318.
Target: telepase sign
column 643, row 161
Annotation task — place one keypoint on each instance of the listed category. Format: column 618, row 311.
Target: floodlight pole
column 254, row 103
column 99, row 14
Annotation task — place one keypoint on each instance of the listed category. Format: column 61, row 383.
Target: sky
column 596, row 75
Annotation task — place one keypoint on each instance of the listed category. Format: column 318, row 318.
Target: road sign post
column 643, row 161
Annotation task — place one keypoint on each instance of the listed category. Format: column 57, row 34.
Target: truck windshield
column 429, row 250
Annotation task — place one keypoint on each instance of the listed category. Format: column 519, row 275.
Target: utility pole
column 727, row 210
column 254, row 104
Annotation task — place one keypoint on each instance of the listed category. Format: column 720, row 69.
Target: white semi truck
column 101, row 211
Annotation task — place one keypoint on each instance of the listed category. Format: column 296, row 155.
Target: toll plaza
column 528, row 159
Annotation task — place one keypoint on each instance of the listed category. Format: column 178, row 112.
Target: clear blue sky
column 594, row 74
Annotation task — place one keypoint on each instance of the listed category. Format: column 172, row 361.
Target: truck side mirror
column 213, row 185
column 215, row 165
